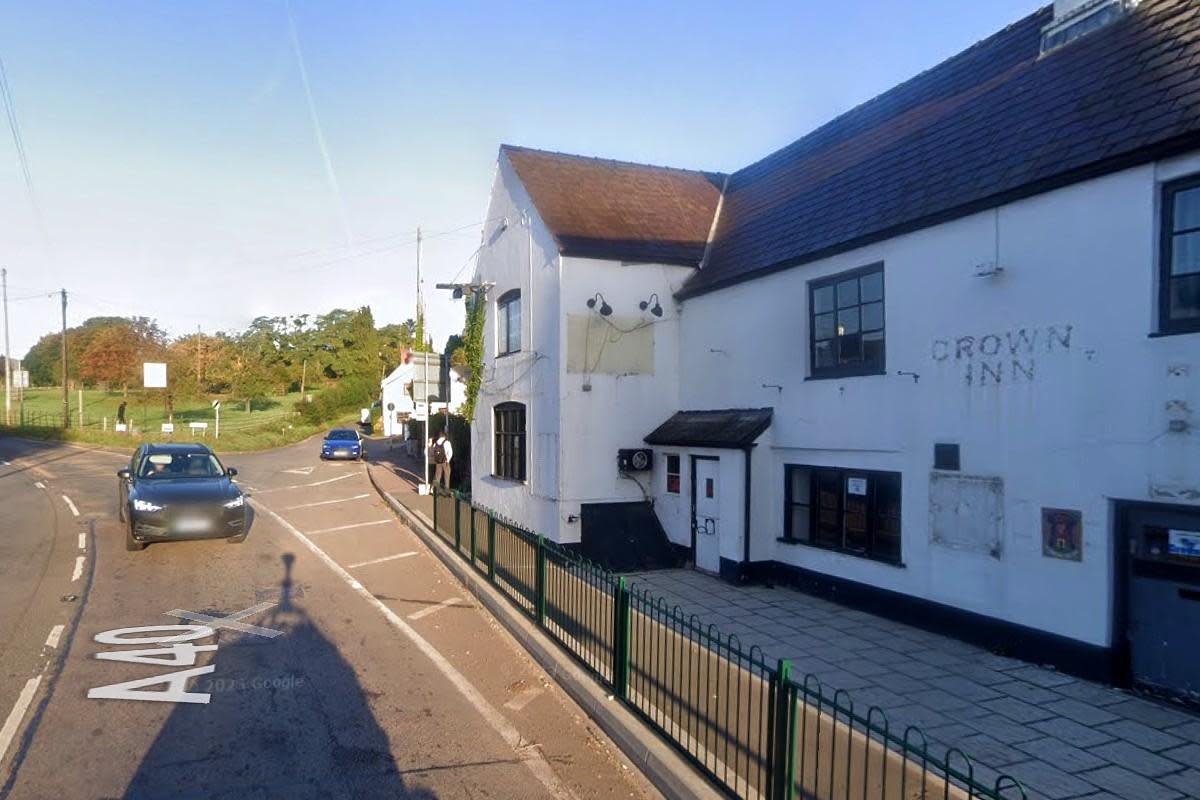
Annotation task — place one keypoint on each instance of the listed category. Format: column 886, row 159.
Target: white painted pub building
column 939, row 358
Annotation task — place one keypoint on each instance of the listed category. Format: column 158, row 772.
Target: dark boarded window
column 508, row 323
column 846, row 323
column 509, row 456
column 672, row 474
column 945, row 456
column 851, row 511
column 1179, row 267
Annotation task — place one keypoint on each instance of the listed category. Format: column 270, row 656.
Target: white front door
column 706, row 513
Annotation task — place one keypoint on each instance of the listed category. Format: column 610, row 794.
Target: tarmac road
column 329, row 655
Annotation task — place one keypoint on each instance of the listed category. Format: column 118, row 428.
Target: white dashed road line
column 83, row 541
column 328, row 502
column 40, row 485
column 524, row 698
column 9, row 731
column 70, row 505
column 78, row 568
column 531, row 757
column 425, row 612
column 381, row 560
column 352, row 525
column 54, row 637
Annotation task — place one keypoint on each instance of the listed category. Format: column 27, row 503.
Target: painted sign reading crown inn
column 1004, row 357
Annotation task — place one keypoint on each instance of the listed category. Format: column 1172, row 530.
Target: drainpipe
column 749, row 450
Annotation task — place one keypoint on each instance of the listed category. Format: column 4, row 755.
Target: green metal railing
column 753, row 727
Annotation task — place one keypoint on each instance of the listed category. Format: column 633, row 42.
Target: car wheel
column 120, row 511
column 132, row 544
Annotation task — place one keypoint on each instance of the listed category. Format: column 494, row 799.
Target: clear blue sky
column 177, row 169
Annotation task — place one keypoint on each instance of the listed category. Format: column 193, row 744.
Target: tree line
column 272, row 356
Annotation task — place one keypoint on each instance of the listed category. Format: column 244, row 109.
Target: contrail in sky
column 312, row 111
column 10, row 110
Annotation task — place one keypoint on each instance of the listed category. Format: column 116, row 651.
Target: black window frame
column 876, row 548
column 504, row 332
column 509, row 451
column 676, row 473
column 1168, row 326
column 854, row 369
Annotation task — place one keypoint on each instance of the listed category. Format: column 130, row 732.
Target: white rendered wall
column 519, row 253
column 1080, row 422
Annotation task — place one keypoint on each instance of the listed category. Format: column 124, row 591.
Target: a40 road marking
column 175, row 650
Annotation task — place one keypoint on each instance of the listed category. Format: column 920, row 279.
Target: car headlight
column 236, row 502
column 146, row 505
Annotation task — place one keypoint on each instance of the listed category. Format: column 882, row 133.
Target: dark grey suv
column 179, row 491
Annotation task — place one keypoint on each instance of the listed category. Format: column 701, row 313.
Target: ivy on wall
column 473, row 349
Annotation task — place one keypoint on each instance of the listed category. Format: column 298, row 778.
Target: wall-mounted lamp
column 656, row 309
column 605, row 308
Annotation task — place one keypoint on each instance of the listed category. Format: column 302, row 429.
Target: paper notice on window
column 1183, row 543
column 856, row 486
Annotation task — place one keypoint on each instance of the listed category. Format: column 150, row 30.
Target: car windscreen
column 164, row 466
column 342, row 436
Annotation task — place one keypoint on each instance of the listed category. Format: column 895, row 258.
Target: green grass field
column 272, row 422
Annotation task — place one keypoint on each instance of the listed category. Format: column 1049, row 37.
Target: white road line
column 530, row 756
column 307, row 485
column 55, row 636
column 78, row 568
column 70, row 505
column 380, row 560
column 5, row 463
column 40, row 485
column 328, row 502
column 9, row 731
column 524, row 698
column 425, row 612
column 83, row 541
column 353, row 525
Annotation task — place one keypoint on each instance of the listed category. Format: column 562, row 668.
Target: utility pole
column 66, row 391
column 303, row 377
column 7, row 355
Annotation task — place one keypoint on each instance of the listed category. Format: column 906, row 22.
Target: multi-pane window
column 1179, row 268
column 508, row 323
column 852, row 511
column 846, row 323
column 672, row 474
column 509, row 455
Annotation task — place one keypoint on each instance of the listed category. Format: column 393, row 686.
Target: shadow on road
column 287, row 718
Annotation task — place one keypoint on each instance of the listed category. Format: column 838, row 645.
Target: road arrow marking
column 301, row 471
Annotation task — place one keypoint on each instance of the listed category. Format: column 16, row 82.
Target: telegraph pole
column 7, row 355
column 66, row 392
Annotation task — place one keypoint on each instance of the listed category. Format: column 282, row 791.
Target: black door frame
column 1123, row 510
column 694, row 459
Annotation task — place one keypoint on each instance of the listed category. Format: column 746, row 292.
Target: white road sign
column 154, row 375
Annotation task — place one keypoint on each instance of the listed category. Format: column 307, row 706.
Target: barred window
column 509, row 455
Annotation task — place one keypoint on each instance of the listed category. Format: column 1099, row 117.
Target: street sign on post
column 154, row 375
column 216, row 404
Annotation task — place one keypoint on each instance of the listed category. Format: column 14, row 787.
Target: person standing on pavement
column 441, row 452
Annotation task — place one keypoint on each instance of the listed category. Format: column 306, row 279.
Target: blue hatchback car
column 343, row 443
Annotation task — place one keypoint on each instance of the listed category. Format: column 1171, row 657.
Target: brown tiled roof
column 995, row 123
column 619, row 211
